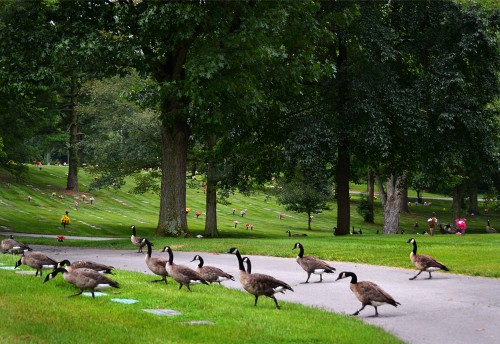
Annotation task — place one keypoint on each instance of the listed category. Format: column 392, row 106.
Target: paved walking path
column 448, row 308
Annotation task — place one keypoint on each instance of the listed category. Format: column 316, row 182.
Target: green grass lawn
column 36, row 312
column 475, row 253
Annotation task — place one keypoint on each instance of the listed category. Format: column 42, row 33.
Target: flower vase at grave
column 65, row 220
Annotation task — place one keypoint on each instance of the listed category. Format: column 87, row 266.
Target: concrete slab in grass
column 125, row 301
column 163, row 312
column 198, row 322
column 7, row 267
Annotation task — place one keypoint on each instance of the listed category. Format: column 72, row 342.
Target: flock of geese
column 89, row 275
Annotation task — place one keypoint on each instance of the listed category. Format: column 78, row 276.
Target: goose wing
column 267, row 285
column 40, row 258
column 88, row 278
column 373, row 293
column 188, row 273
column 91, row 265
column 423, row 262
column 137, row 241
column 8, row 244
column 11, row 244
column 212, row 273
column 157, row 265
column 314, row 263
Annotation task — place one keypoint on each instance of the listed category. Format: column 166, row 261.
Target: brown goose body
column 84, row 279
column 13, row 246
column 312, row 265
column 368, row 293
column 211, row 274
column 180, row 273
column 137, row 241
column 38, row 261
column 423, row 262
column 259, row 284
column 156, row 265
column 87, row 264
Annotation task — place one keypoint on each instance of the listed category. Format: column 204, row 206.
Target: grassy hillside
column 114, row 210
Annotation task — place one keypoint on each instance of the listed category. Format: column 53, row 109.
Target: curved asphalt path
column 448, row 308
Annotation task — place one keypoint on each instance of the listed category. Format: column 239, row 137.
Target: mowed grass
column 36, row 312
column 114, row 210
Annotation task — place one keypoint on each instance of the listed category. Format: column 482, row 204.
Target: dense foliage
column 303, row 91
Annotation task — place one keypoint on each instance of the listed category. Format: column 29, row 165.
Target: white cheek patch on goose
column 318, row 271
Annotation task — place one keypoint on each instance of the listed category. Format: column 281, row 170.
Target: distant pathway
column 74, row 237
column 448, row 308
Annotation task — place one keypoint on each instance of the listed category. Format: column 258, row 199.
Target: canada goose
column 36, row 260
column 180, row 273
column 106, row 269
column 296, row 234
column 311, row 264
column 13, row 246
column 248, row 263
column 423, row 262
column 369, row 293
column 211, row 273
column 84, row 279
column 259, row 284
column 137, row 241
column 156, row 265
column 490, row 229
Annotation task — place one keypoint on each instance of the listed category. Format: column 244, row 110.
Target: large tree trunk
column 370, row 191
column 343, row 159
column 172, row 219
column 458, row 197
column 392, row 204
column 211, row 196
column 381, row 191
column 404, row 200
column 72, row 180
column 175, row 135
column 474, row 205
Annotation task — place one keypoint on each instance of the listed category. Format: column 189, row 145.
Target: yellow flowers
column 65, row 220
